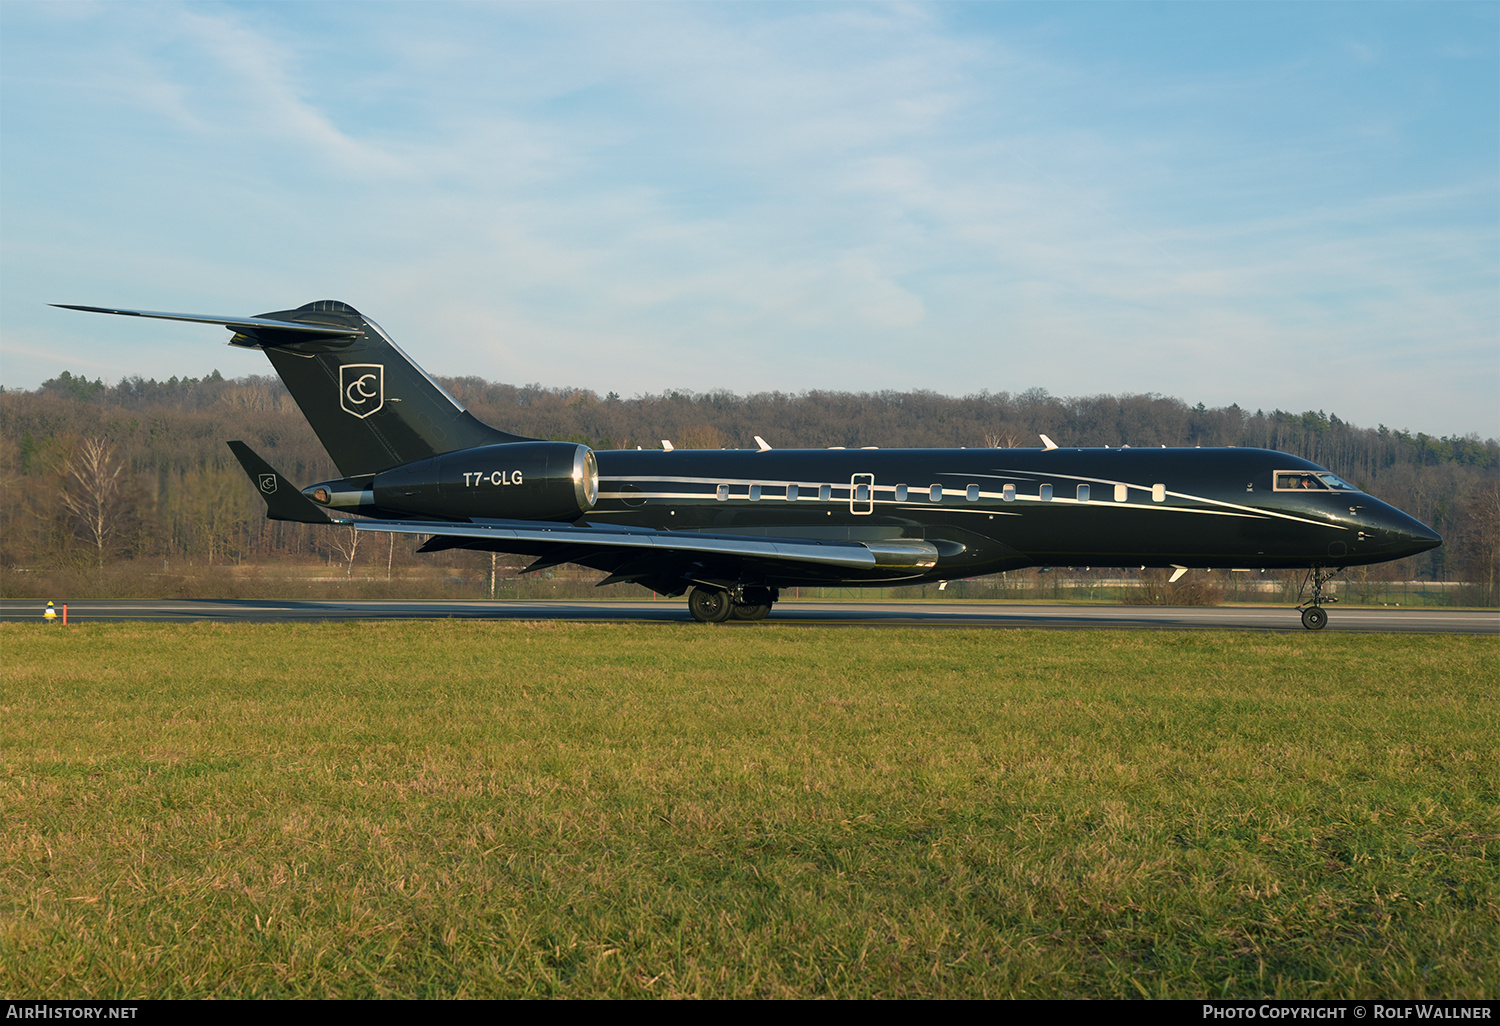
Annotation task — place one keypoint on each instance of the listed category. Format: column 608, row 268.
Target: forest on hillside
column 93, row 475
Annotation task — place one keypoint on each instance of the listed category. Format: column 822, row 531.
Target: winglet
column 764, row 445
column 283, row 500
column 1047, row 443
column 666, row 445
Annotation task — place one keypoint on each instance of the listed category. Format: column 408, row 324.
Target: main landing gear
column 710, row 604
column 1314, row 616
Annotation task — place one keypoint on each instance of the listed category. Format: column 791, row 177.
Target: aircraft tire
column 751, row 611
column 1314, row 618
column 709, row 605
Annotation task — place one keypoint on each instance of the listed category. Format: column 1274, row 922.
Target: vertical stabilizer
column 371, row 406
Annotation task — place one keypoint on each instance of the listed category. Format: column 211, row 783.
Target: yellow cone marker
column 50, row 614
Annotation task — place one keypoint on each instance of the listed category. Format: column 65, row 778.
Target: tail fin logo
column 268, row 483
column 362, row 388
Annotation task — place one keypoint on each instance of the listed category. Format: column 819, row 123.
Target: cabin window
column 723, row 493
column 972, row 493
column 935, row 493
column 862, row 493
column 1044, row 493
column 791, row 493
column 901, row 493
column 755, row 493
column 1008, row 493
column 1122, row 493
column 1158, row 493
column 825, row 492
column 1083, row 493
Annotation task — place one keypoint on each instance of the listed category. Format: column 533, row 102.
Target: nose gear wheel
column 1314, row 616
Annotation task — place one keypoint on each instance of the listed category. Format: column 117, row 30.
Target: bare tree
column 1478, row 535
column 92, row 490
column 701, row 436
column 346, row 545
column 214, row 503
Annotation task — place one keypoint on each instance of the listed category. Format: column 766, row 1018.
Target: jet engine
column 509, row 481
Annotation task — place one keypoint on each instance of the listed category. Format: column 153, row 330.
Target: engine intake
column 510, row 481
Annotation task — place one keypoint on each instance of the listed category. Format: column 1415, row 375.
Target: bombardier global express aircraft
column 733, row 527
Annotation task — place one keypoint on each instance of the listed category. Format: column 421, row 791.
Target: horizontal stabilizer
column 249, row 324
column 283, row 500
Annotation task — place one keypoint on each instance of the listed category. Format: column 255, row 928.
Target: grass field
column 443, row 809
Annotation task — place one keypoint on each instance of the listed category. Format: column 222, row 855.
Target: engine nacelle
column 511, row 481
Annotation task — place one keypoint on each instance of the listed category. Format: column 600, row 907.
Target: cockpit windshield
column 1311, row 481
column 1335, row 482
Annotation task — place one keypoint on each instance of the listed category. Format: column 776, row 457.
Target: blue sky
column 1280, row 205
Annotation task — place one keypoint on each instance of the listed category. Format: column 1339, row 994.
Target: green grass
column 445, row 809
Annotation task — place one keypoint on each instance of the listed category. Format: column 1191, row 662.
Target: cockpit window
column 1299, row 481
column 1311, row 481
column 1335, row 482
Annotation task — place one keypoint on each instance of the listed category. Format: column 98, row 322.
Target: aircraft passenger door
column 862, row 494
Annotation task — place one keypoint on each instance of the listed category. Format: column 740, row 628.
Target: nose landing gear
column 1314, row 616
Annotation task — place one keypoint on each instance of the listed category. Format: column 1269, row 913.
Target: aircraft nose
column 1421, row 537
column 1407, row 536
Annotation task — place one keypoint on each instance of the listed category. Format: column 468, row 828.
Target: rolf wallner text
column 1374, row 1011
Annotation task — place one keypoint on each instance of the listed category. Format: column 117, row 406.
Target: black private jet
column 730, row 528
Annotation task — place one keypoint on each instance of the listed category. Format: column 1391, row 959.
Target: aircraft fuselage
column 990, row 510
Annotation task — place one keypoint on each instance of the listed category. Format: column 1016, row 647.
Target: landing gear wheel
column 749, row 611
column 1314, row 618
column 709, row 605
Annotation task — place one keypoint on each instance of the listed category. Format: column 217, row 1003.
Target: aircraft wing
column 533, row 537
column 628, row 553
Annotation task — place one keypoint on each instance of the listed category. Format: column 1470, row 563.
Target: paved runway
column 844, row 614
